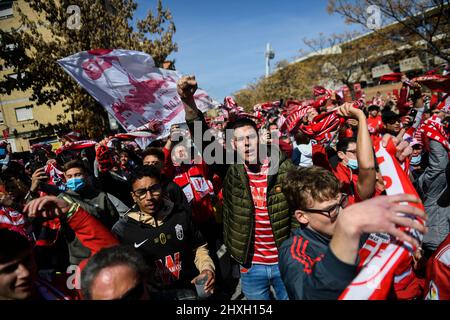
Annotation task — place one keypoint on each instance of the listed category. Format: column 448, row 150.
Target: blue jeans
column 257, row 280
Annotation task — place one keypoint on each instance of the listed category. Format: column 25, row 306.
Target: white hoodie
column 306, row 154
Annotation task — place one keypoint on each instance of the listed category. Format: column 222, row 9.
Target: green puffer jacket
column 238, row 210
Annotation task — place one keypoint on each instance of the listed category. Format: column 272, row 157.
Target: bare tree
column 32, row 51
column 346, row 58
column 422, row 25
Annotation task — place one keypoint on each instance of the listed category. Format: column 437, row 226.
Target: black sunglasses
column 393, row 121
column 334, row 210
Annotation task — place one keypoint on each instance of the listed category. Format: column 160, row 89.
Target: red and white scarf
column 294, row 117
column 320, row 91
column 12, row 220
column 76, row 146
column 323, row 126
column 382, row 259
column 433, row 129
column 435, row 82
column 56, row 176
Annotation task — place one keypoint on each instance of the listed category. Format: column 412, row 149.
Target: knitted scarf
column 433, row 129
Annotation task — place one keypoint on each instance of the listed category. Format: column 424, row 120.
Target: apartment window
column 6, row 9
column 1, row 118
column 24, row 113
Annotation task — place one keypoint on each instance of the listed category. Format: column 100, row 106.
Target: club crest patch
column 179, row 232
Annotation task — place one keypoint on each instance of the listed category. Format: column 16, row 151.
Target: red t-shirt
column 265, row 250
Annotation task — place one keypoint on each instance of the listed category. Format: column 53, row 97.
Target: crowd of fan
column 107, row 220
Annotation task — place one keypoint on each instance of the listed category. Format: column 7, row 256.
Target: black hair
column 110, row 257
column 76, row 164
column 153, row 151
column 342, row 144
column 241, row 122
column 144, row 171
column 15, row 170
column 157, row 143
column 301, row 137
column 13, row 245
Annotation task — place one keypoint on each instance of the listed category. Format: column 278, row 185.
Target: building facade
column 20, row 117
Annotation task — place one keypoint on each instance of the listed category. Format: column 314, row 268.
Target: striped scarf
column 433, row 129
column 323, row 126
column 56, row 176
column 294, row 118
column 77, row 145
column 12, row 220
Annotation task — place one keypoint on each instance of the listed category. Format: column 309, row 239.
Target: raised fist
column 186, row 87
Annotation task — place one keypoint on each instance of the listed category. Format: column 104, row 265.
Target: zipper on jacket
column 244, row 262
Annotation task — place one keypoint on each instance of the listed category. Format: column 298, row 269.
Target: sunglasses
column 393, row 121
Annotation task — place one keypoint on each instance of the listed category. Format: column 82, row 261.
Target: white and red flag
column 140, row 96
column 385, row 262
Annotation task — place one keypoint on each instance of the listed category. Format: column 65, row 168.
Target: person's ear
column 135, row 199
column 234, row 144
column 301, row 217
column 341, row 155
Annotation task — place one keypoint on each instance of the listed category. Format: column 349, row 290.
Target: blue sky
column 223, row 42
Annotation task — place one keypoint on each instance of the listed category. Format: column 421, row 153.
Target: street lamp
column 270, row 54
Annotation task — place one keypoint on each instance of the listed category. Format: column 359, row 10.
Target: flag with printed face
column 140, row 96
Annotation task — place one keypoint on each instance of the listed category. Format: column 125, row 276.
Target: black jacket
column 310, row 270
column 96, row 203
column 168, row 249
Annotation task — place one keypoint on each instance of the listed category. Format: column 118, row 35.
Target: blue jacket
column 310, row 270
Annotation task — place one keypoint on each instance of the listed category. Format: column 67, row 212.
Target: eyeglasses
column 332, row 211
column 155, row 190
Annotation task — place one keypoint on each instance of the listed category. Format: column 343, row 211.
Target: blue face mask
column 416, row 160
column 352, row 164
column 75, row 183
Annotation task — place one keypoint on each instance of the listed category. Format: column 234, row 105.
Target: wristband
column 72, row 210
column 73, row 206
